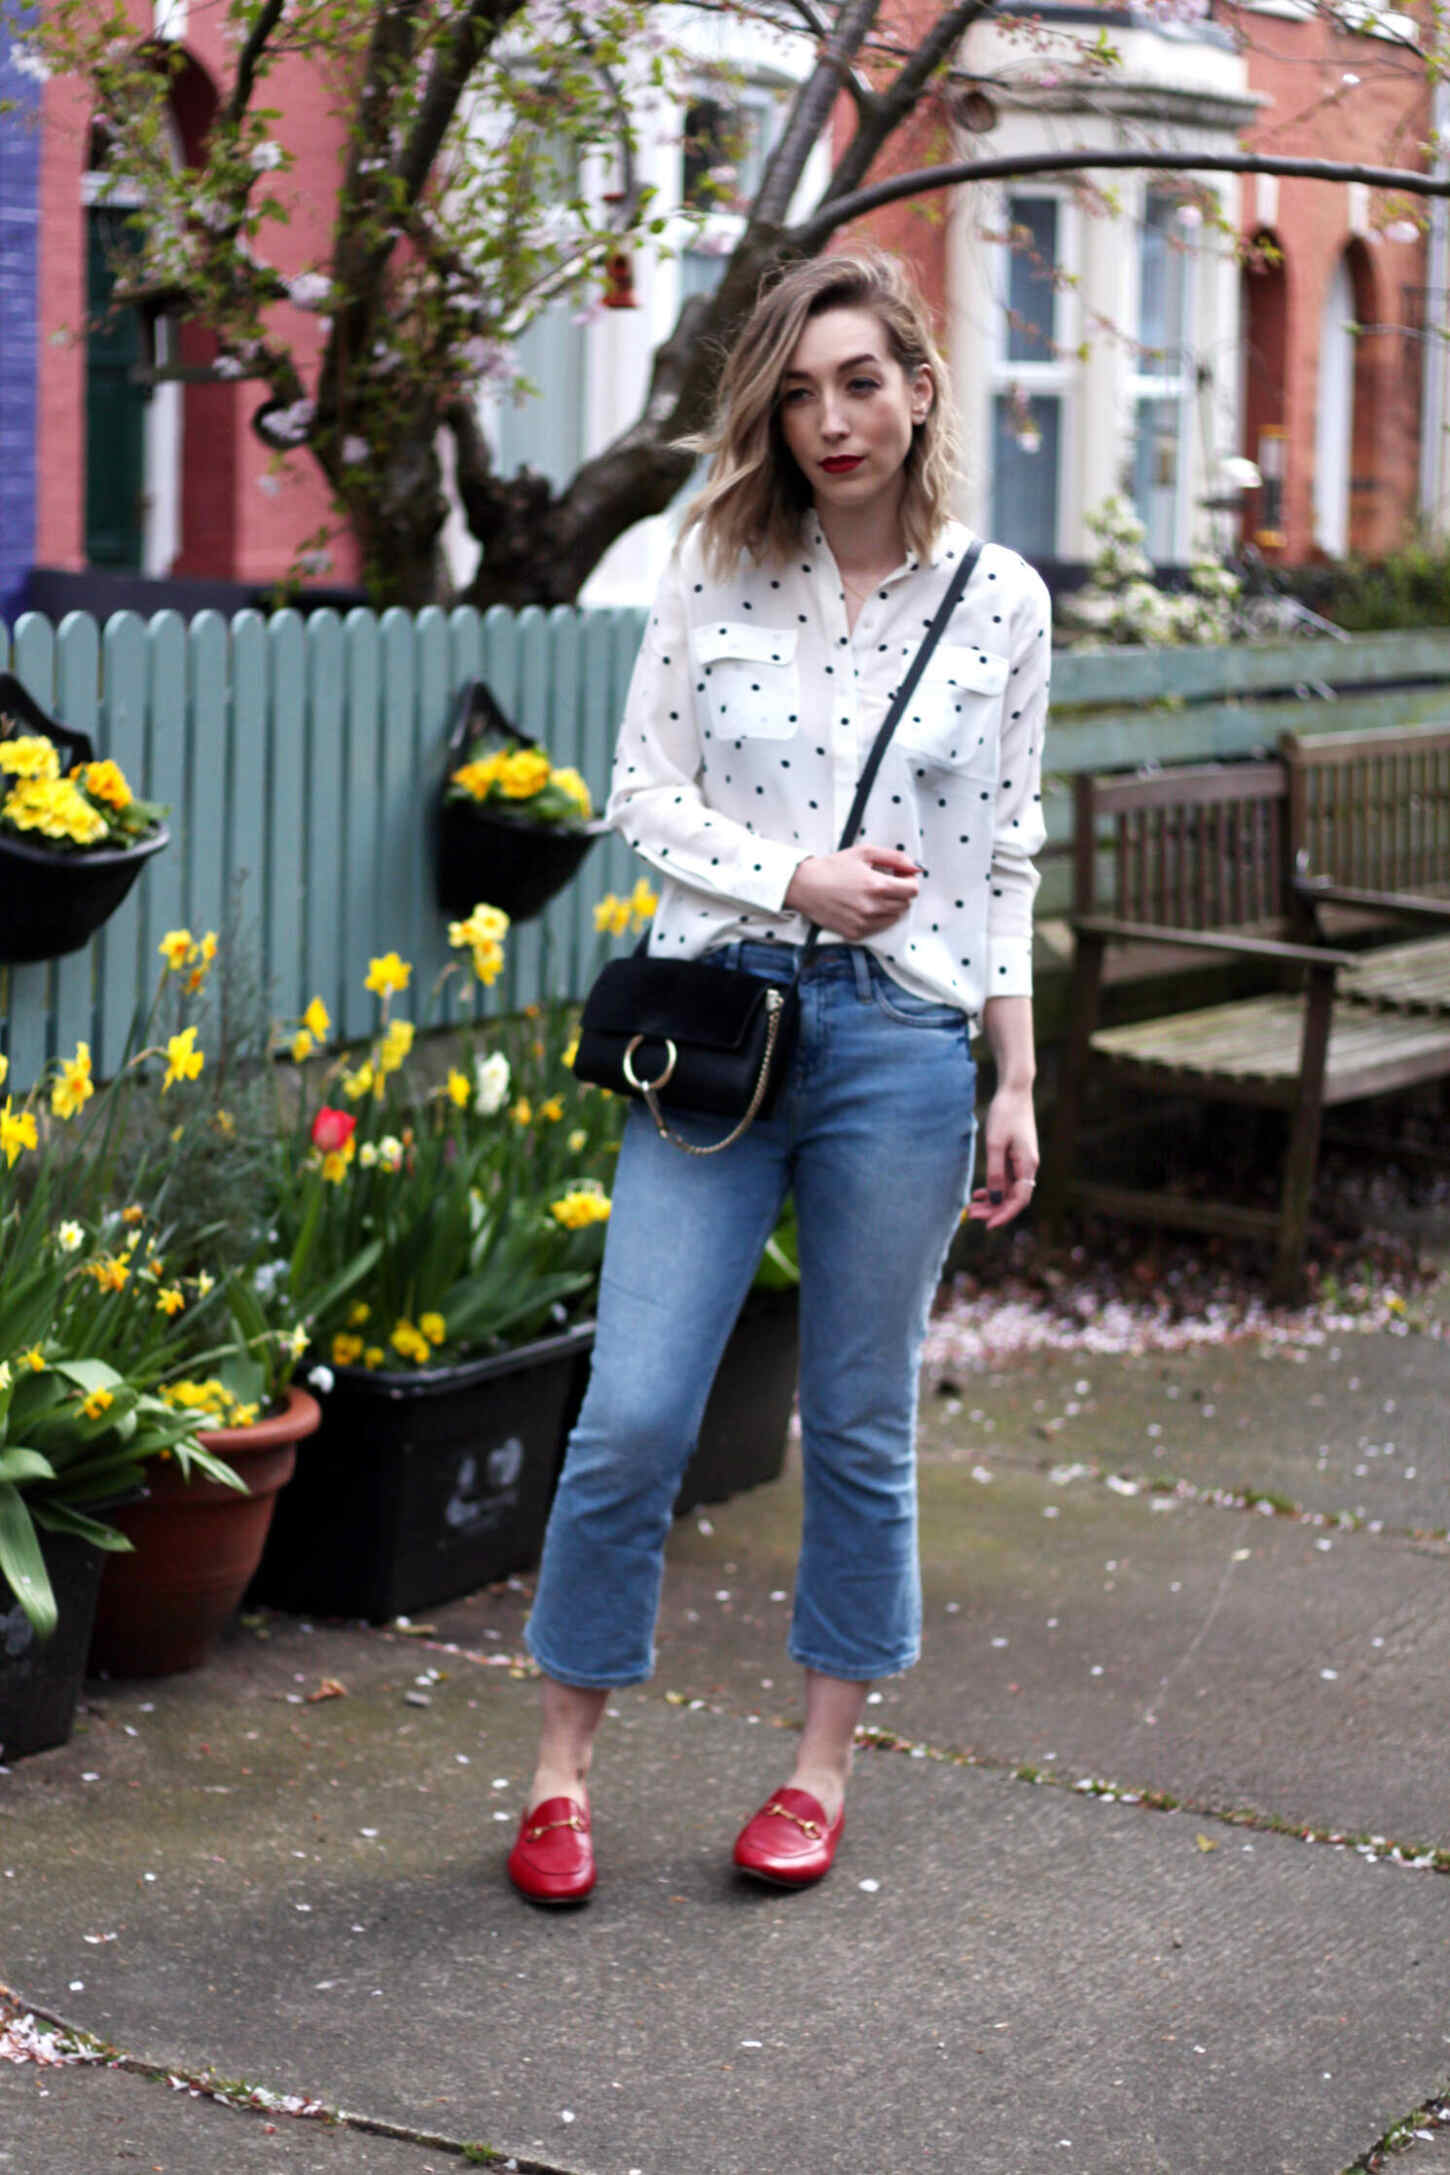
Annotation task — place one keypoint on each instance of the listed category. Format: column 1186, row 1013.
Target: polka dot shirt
column 752, row 709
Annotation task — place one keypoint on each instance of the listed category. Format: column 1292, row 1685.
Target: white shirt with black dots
column 752, row 710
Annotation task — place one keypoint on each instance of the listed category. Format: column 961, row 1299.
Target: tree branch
column 811, row 111
column 446, row 85
column 813, row 233
column 891, row 107
column 250, row 55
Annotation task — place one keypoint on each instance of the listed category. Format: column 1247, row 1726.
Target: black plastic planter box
column 422, row 1486
column 746, row 1426
column 40, row 1679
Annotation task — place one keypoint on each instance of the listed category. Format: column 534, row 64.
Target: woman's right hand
column 854, row 894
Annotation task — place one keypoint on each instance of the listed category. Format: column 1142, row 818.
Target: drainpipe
column 1436, row 355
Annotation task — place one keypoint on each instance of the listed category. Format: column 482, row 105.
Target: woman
column 811, row 562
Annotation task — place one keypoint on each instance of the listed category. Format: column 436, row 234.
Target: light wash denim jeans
column 873, row 1130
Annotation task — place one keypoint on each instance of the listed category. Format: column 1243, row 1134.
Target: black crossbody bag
column 681, row 1034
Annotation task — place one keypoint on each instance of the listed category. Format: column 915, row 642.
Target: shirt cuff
column 762, row 877
column 1009, row 967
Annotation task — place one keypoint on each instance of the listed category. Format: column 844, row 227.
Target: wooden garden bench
column 1204, row 859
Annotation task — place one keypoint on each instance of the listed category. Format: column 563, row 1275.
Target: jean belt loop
column 861, row 969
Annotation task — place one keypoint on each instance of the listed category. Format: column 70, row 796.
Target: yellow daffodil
column 17, row 1131
column 434, row 1328
column 183, row 1059
column 642, row 902
column 358, row 1313
column 346, row 1349
column 552, row 1110
column 356, row 1084
column 335, row 1162
column 110, row 1272
column 133, row 1214
column 316, row 1021
column 394, row 1047
column 611, row 915
column 485, row 925
column 459, row 1088
column 207, row 947
column 4, row 1068
column 522, row 1112
column 98, row 1403
column 387, row 974
column 390, row 1152
column 34, row 1359
column 70, row 1237
column 576, row 1140
column 74, row 1086
column 301, row 1046
column 367, row 1154
column 205, row 1282
column 570, row 1053
column 169, row 1300
column 243, row 1415
column 487, row 962
column 579, row 1208
column 176, row 948
column 374, row 1356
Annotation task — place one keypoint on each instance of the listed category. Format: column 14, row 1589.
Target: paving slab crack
column 31, row 2033
column 1417, row 2127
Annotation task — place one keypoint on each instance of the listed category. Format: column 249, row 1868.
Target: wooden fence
column 301, row 758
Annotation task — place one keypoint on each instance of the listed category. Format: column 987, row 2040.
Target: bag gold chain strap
column 774, row 1006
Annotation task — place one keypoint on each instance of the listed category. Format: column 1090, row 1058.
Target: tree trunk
column 399, row 525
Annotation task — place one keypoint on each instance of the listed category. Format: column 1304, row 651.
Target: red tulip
column 332, row 1129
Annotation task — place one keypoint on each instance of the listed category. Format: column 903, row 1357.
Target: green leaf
column 19, row 1463
column 22, row 1565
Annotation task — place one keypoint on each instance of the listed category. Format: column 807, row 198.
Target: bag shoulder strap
column 901, row 698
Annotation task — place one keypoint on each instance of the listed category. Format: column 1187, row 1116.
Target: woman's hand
column 854, row 894
column 1011, row 1141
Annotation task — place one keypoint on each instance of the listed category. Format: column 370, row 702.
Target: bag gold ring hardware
column 643, row 1087
column 774, row 1007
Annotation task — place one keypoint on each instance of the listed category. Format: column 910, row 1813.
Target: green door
column 115, row 407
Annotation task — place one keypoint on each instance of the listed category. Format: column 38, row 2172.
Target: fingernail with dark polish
column 995, row 1199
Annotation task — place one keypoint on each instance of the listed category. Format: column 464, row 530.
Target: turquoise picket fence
column 301, row 759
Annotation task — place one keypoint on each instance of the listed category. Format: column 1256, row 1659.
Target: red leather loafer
column 788, row 1842
column 553, row 1858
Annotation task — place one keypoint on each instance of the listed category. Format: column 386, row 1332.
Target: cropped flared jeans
column 873, row 1132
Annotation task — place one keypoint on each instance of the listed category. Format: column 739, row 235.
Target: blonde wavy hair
column 755, row 496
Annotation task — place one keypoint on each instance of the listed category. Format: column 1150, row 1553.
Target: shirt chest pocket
column 748, row 680
column 954, row 718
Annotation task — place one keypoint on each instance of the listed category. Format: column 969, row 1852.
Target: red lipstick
column 841, row 464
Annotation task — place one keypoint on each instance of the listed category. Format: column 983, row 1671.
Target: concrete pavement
column 1144, row 1868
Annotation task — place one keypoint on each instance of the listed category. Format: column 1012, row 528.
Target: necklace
column 862, row 591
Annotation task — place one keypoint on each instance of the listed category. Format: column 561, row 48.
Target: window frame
column 1058, row 378
column 1179, row 387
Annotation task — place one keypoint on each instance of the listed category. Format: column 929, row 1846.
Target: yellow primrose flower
column 70, row 1237
column 373, row 1356
column 183, row 1059
column 579, row 1208
column 316, row 1021
column 522, row 1112
column 176, row 948
column 301, row 1046
column 576, row 1140
column 611, row 915
column 346, row 1349
column 356, row 1084
column 17, row 1131
column 387, row 974
column 106, row 781
column 642, row 902
column 169, row 1300
column 477, row 778
column 410, row 1342
column 523, row 773
column 30, row 755
column 553, row 1109
column 100, row 1401
column 74, row 1087
column 570, row 783
column 433, row 1326
column 55, row 808
column 358, row 1312
column 460, row 1088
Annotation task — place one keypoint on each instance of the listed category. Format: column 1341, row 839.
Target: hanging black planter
column 53, row 902
column 484, row 858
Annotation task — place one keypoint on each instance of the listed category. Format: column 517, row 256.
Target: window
column 1031, row 374
column 1162, row 382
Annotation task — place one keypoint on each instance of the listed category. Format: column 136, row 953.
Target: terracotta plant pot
column 196, row 1546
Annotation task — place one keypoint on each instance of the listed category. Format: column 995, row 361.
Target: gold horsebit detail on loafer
column 573, row 1821
column 812, row 1828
